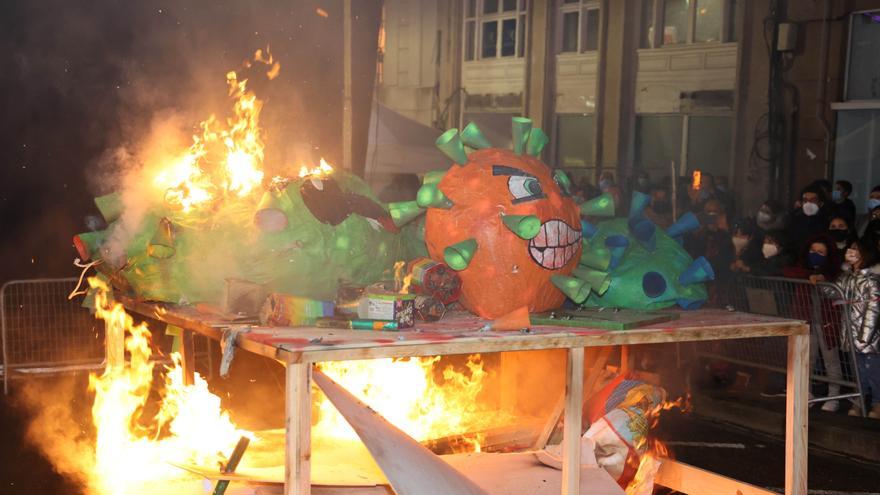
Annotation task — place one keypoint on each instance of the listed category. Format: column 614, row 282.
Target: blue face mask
column 873, row 203
column 837, row 196
column 816, row 260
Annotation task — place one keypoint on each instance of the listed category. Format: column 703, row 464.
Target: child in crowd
column 820, row 260
column 845, row 207
column 771, row 216
column 840, row 230
column 861, row 293
column 776, row 255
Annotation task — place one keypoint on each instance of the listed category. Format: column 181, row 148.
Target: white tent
column 400, row 145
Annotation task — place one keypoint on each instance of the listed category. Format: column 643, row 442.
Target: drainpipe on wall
column 821, row 87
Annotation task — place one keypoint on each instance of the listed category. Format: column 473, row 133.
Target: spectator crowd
column 824, row 238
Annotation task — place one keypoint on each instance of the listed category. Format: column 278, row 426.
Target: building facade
column 664, row 87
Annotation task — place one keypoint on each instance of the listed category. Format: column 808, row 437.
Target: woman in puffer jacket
column 860, row 286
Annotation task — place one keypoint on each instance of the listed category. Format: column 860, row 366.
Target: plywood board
column 624, row 319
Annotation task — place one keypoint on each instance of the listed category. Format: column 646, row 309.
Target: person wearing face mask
column 845, row 208
column 871, row 204
column 746, row 246
column 860, row 287
column 775, row 253
column 811, row 219
column 770, row 216
column 820, row 260
column 608, row 185
column 713, row 241
column 839, row 231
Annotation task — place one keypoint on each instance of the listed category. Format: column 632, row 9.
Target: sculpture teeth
column 555, row 245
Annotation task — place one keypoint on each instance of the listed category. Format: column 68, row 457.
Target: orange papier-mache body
column 513, row 258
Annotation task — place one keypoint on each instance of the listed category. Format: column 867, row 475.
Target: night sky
column 82, row 80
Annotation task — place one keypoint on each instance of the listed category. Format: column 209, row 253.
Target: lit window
column 580, row 26
column 687, row 21
column 659, row 141
column 494, row 28
column 574, row 140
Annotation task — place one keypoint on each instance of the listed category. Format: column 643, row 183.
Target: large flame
column 406, row 392
column 225, row 158
column 655, row 450
column 133, row 452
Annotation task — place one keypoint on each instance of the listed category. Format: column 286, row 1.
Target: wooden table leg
column 298, row 424
column 797, row 394
column 571, row 433
column 187, row 356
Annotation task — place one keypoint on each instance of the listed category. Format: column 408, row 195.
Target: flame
column 401, row 281
column 322, row 170
column 643, row 481
column 697, row 179
column 406, row 393
column 131, row 451
column 225, row 160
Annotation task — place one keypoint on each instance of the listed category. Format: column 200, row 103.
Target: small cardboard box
column 389, row 307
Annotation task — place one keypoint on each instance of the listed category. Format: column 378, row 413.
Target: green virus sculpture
column 630, row 263
column 304, row 237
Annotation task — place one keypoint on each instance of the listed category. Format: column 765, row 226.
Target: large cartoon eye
column 524, row 188
column 563, row 182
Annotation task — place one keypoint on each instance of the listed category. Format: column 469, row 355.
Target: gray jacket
column 861, row 294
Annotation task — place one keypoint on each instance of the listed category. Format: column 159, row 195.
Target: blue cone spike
column 645, row 232
column 617, row 244
column 637, row 205
column 588, row 229
column 686, row 223
column 699, row 271
column 691, row 304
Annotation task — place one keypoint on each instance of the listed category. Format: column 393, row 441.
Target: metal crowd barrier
column 821, row 305
column 43, row 332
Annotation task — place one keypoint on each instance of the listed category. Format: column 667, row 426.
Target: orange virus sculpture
column 504, row 220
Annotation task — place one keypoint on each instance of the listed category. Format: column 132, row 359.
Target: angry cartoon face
column 508, row 224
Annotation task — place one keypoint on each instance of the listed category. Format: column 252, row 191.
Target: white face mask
column 841, row 245
column 770, row 250
column 810, row 209
column 764, row 217
column 740, row 243
column 852, row 256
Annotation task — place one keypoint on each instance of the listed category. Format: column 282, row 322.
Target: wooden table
column 300, row 348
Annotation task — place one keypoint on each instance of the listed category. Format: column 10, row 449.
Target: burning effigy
column 499, row 234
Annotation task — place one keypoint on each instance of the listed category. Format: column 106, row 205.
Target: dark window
column 591, row 40
column 508, row 37
column 731, row 20
column 490, row 6
column 709, row 145
column 658, row 142
column 471, row 8
column 469, row 39
column 647, row 36
column 490, row 39
column 522, row 36
column 574, row 140
column 570, row 21
column 509, row 5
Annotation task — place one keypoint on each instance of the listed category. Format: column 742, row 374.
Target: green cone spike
column 576, row 290
column 537, row 140
column 525, row 226
column 522, row 127
column 162, row 243
column 597, row 258
column 603, row 206
column 88, row 243
column 434, row 176
column 430, row 196
column 472, row 136
column 600, row 281
column 563, row 180
column 450, row 144
column 458, row 256
column 110, row 206
column 404, row 212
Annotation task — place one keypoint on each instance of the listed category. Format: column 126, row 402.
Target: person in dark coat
column 811, row 219
column 845, row 208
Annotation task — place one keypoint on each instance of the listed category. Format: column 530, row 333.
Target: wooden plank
column 684, row 478
column 410, row 468
column 298, row 424
column 610, row 320
column 187, row 356
column 796, row 414
column 571, row 436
